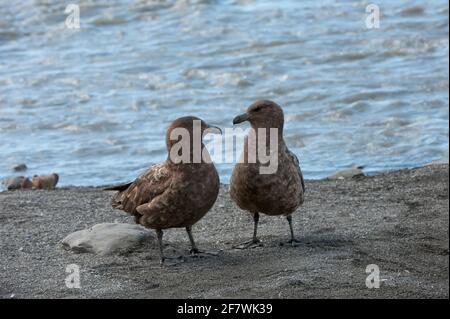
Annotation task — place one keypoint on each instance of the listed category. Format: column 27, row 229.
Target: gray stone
column 20, row 167
column 17, row 182
column 347, row 173
column 106, row 238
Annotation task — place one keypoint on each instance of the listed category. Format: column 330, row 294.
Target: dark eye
column 259, row 108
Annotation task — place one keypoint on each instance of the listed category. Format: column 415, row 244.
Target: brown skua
column 175, row 193
column 279, row 193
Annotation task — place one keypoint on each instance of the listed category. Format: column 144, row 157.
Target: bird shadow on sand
column 325, row 241
column 176, row 254
column 319, row 240
column 180, row 255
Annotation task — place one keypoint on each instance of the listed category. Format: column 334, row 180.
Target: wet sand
column 396, row 220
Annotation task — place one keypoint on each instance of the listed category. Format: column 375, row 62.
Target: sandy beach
column 396, row 220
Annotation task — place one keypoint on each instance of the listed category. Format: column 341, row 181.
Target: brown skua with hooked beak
column 172, row 194
column 280, row 193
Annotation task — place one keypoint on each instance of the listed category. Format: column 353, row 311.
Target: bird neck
column 268, row 132
column 184, row 153
column 256, row 144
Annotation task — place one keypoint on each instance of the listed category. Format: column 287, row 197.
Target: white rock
column 106, row 238
column 346, row 173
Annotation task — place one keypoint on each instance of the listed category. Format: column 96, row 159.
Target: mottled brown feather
column 170, row 195
column 144, row 189
column 280, row 193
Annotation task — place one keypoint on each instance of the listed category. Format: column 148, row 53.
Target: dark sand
column 397, row 220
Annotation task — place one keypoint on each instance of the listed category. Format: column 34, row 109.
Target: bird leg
column 159, row 234
column 194, row 250
column 292, row 241
column 255, row 241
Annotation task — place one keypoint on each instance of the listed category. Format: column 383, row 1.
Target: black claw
column 294, row 242
column 194, row 251
column 249, row 244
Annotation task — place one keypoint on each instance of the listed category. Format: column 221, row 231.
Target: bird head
column 188, row 132
column 262, row 114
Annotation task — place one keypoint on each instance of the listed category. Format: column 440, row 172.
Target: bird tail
column 119, row 188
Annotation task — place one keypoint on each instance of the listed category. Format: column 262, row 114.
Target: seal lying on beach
column 17, row 182
column 45, row 181
column 175, row 193
column 277, row 193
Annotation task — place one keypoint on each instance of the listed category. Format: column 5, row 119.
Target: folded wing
column 143, row 190
column 297, row 164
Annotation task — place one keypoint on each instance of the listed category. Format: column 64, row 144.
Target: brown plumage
column 172, row 194
column 280, row 193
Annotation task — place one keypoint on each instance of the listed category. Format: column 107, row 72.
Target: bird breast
column 273, row 194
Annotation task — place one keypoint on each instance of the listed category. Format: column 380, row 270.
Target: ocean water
column 93, row 104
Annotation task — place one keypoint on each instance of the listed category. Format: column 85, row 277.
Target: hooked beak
column 241, row 118
column 214, row 129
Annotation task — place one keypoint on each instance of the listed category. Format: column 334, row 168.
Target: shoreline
column 397, row 220
column 442, row 161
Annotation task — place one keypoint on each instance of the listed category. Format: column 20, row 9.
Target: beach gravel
column 396, row 220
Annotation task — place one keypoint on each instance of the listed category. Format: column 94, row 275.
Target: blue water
column 93, row 104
